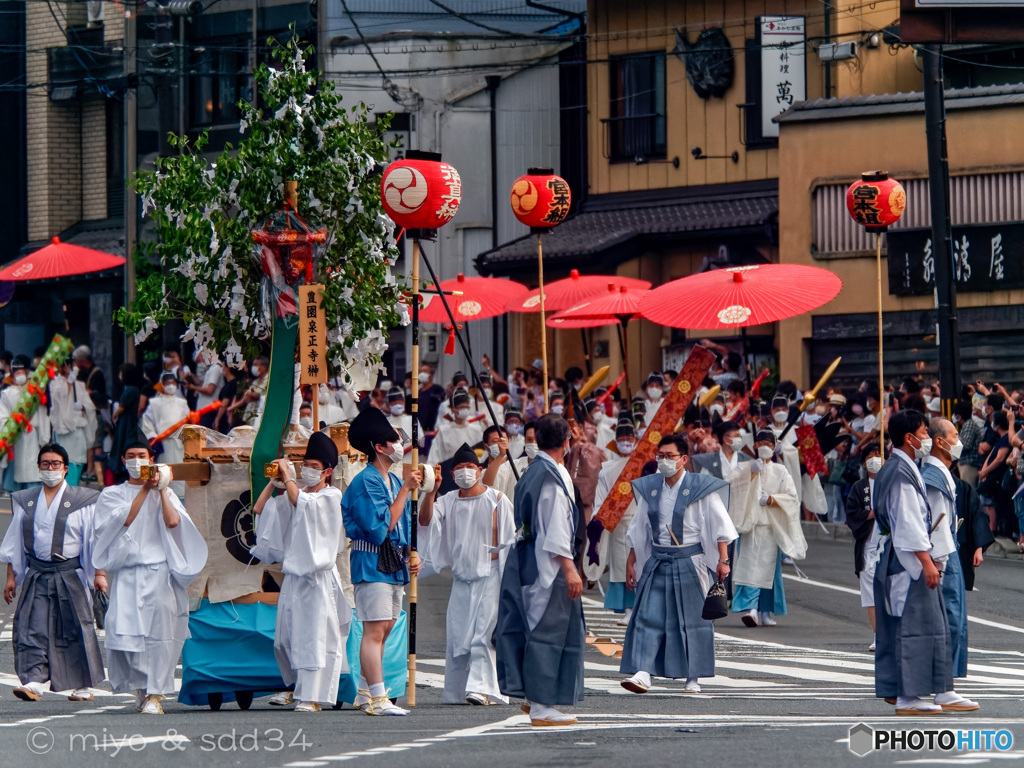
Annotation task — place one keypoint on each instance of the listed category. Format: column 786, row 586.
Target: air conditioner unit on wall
column 837, row 51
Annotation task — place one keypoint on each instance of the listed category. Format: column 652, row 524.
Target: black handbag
column 389, row 559
column 100, row 602
column 714, row 604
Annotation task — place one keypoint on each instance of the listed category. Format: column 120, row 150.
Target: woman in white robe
column 163, row 412
column 470, row 532
column 302, row 529
column 151, row 551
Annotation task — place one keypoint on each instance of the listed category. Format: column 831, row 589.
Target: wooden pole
column 881, row 378
column 543, row 326
column 414, row 404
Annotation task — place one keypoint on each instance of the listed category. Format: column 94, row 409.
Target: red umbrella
column 59, row 260
column 482, row 297
column 571, row 291
column 740, row 296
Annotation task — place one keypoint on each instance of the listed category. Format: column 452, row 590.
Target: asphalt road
column 786, row 694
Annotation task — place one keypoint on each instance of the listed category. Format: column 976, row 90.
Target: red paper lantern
column 876, row 202
column 420, row 192
column 540, row 199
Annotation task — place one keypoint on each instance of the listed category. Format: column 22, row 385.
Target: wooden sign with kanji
column 312, row 335
column 664, row 423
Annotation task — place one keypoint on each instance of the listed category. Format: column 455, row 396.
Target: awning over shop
column 609, row 229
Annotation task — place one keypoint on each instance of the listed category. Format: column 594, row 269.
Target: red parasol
column 59, row 260
column 482, row 297
column 740, row 296
column 571, row 291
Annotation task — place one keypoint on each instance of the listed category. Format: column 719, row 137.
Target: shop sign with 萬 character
column 986, row 257
column 783, row 67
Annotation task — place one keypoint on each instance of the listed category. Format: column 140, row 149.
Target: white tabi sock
column 363, row 685
column 377, row 690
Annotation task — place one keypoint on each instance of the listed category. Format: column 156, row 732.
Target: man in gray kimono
column 48, row 553
column 679, row 537
column 540, row 635
column 913, row 657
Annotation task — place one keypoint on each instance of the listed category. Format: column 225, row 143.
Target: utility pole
column 131, row 204
column 947, row 335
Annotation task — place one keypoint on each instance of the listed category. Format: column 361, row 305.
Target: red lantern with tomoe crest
column 421, row 193
column 540, row 199
column 876, row 202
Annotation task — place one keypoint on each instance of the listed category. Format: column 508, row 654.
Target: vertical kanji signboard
column 312, row 335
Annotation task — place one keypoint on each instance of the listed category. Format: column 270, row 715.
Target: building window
column 636, row 123
column 221, row 79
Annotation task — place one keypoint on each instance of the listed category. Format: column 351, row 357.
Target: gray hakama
column 53, row 632
column 912, row 656
column 667, row 636
column 954, row 599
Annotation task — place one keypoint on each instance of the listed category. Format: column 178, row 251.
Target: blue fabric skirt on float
column 232, row 650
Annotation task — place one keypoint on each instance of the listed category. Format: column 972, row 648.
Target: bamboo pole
column 414, row 405
column 881, row 378
column 543, row 321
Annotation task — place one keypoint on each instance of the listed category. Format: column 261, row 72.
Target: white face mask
column 655, row 392
column 717, row 408
column 465, row 478
column 873, row 464
column 488, row 392
column 558, row 409
column 514, row 430
column 254, row 371
column 925, row 449
column 858, row 409
column 668, row 467
column 323, row 396
column 170, row 389
column 397, row 452
column 306, row 421
column 423, row 378
column 462, row 414
column 779, row 417
column 20, row 379
column 765, row 452
column 955, row 450
column 624, row 447
column 736, row 443
column 51, row 477
column 531, row 450
column 397, row 409
column 134, row 467
column 311, row 476
column 494, row 449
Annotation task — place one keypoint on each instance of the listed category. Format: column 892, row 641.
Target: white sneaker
column 638, row 683
column 691, row 686
column 951, row 701
column 767, row 620
column 874, row 639
column 151, row 706
column 81, row 694
column 750, row 618
column 624, row 619
column 282, row 699
column 542, row 716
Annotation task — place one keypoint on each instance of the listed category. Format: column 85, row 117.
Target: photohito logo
column 864, row 739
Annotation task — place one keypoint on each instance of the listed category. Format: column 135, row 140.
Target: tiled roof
column 622, row 219
column 900, row 103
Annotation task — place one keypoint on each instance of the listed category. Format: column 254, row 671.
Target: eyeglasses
column 51, row 464
column 673, row 456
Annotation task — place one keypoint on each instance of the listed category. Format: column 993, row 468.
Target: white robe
column 149, row 566
column 73, row 428
column 944, row 543
column 313, row 616
column 450, row 437
column 26, row 447
column 613, row 550
column 553, row 538
column 765, row 530
column 505, row 481
column 163, row 412
column 460, row 536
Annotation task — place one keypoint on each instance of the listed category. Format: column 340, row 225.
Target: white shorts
column 378, row 601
